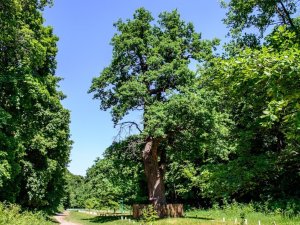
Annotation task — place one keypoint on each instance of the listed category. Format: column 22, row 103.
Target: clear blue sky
column 84, row 28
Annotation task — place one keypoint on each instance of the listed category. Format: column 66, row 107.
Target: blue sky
column 85, row 28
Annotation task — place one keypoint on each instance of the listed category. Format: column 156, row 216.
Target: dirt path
column 61, row 219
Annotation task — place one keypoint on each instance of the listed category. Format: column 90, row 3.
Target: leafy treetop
column 150, row 63
column 260, row 14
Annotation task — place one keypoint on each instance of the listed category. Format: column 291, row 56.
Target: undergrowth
column 13, row 215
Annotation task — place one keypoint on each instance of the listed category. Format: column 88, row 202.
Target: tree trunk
column 154, row 174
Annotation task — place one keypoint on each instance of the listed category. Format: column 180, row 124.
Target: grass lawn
column 199, row 217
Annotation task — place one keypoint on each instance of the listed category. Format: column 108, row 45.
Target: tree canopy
column 150, row 62
column 260, row 14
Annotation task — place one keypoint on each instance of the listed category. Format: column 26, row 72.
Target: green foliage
column 261, row 89
column 234, row 132
column 283, row 38
column 150, row 72
column 260, row 14
column 117, row 177
column 91, row 203
column 230, row 131
column 149, row 214
column 12, row 215
column 150, row 64
column 75, row 191
column 34, row 127
column 240, row 212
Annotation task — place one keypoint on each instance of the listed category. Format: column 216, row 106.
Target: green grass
column 86, row 219
column 234, row 213
column 199, row 217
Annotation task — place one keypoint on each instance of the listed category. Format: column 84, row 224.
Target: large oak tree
column 150, row 72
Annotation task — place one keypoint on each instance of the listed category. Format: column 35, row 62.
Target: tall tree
column 150, row 72
column 34, row 126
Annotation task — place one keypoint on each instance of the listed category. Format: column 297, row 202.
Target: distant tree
column 118, row 176
column 91, row 203
column 75, row 191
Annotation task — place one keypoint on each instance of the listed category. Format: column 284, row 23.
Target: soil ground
column 60, row 217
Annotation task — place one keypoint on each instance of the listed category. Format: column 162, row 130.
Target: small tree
column 149, row 214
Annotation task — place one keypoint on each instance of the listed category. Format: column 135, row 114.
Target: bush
column 149, row 214
column 92, row 203
column 12, row 215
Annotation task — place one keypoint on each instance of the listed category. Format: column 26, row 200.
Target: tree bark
column 154, row 174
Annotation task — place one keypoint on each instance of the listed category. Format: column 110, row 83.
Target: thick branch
column 281, row 14
column 143, row 64
column 287, row 16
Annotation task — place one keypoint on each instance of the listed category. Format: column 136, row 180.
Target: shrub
column 149, row 214
column 12, row 215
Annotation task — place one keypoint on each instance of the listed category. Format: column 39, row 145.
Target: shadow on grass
column 105, row 219
column 108, row 218
column 52, row 220
column 199, row 218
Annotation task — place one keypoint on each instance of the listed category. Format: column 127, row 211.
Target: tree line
column 34, row 126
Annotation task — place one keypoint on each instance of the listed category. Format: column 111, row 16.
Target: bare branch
column 125, row 130
column 288, row 17
column 281, row 14
column 130, row 124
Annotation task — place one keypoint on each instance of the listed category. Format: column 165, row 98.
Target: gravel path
column 61, row 219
